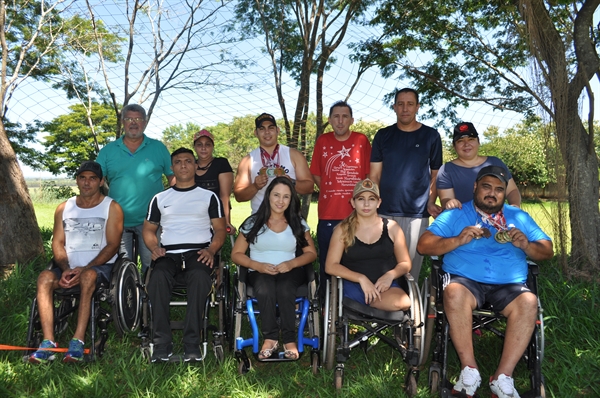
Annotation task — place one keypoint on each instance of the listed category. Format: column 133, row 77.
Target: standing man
column 86, row 238
column 405, row 160
column 268, row 161
column 340, row 159
column 485, row 245
column 187, row 248
column 134, row 165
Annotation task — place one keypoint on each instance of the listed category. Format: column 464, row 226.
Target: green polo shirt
column 134, row 178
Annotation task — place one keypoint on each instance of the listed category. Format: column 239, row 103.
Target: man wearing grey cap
column 268, row 161
column 485, row 245
column 86, row 238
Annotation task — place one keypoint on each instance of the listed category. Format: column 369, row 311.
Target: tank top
column 372, row 260
column 85, row 231
column 282, row 160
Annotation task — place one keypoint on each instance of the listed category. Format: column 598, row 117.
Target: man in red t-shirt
column 340, row 159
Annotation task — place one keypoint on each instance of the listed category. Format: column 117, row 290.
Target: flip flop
column 266, row 353
column 290, row 354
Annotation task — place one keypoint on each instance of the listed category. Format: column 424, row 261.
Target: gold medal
column 502, row 237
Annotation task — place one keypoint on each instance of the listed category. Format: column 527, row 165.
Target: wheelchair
column 218, row 298
column 484, row 318
column 407, row 328
column 307, row 321
column 117, row 302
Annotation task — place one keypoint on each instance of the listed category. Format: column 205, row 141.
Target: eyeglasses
column 134, row 119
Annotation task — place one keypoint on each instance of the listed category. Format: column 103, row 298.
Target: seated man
column 86, row 238
column 485, row 245
column 186, row 213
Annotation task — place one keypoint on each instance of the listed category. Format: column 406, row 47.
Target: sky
column 220, row 102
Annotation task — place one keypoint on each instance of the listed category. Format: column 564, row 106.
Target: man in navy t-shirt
column 405, row 159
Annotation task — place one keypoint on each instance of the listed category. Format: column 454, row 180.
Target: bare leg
column 459, row 304
column 521, row 315
column 87, row 283
column 46, row 284
column 393, row 299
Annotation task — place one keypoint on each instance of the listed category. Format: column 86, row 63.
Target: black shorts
column 499, row 296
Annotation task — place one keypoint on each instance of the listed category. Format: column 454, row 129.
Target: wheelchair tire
column 332, row 327
column 244, row 368
column 223, row 297
column 314, row 358
column 338, row 378
column 434, row 382
column 126, row 298
column 411, row 384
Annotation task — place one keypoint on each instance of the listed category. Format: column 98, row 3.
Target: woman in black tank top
column 369, row 253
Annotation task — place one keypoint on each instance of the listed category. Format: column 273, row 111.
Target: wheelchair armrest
column 534, row 269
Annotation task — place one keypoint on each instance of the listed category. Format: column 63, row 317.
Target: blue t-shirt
column 134, row 178
column 462, row 179
column 485, row 260
column 407, row 160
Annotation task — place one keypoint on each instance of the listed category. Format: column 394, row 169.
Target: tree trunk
column 20, row 238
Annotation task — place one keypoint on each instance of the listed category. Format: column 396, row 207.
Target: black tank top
column 372, row 260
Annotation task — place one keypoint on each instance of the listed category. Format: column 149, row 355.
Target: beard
column 489, row 209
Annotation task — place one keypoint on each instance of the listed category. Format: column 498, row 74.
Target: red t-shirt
column 340, row 164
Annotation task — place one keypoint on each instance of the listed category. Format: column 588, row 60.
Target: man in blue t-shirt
column 485, row 245
column 405, row 159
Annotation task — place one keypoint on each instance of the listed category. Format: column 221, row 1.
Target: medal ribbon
column 269, row 160
column 495, row 220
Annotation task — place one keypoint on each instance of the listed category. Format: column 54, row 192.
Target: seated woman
column 456, row 179
column 369, row 253
column 273, row 234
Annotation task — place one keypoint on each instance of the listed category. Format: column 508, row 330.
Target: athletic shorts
column 102, row 272
column 499, row 296
column 353, row 291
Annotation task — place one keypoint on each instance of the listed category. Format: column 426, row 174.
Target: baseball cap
column 90, row 165
column 496, row 171
column 264, row 117
column 464, row 129
column 204, row 133
column 365, row 185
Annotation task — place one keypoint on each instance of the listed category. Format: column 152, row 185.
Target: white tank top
column 85, row 231
column 282, row 160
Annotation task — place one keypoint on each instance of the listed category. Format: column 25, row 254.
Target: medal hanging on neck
column 271, row 163
column 497, row 221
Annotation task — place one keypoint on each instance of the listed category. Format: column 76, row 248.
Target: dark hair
column 340, row 103
column 406, row 90
column 133, row 108
column 180, row 151
column 292, row 214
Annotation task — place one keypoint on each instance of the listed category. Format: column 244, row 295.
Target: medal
column 498, row 222
column 502, row 237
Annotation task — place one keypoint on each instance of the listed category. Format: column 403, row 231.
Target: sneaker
column 75, row 353
column 503, row 387
column 42, row 355
column 162, row 353
column 468, row 382
column 192, row 353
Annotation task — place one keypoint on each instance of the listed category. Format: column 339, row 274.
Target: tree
column 481, row 51
column 29, row 33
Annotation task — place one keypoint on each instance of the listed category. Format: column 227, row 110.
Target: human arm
column 448, row 199
column 171, row 180
column 239, row 256
column 309, row 254
column 375, row 172
column 433, row 209
column 207, row 255
column 402, row 257
column 304, row 181
column 536, row 250
column 434, row 245
column 244, row 188
column 317, row 180
column 513, row 196
column 151, row 240
column 225, row 186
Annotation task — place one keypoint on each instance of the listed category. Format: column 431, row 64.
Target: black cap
column 496, row 171
column 264, row 117
column 90, row 165
column 464, row 129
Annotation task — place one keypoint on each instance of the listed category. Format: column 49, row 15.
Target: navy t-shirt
column 407, row 160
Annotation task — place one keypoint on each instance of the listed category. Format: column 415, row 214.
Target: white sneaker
column 504, row 387
column 468, row 382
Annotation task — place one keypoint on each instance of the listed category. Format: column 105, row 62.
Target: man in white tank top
column 268, row 161
column 86, row 238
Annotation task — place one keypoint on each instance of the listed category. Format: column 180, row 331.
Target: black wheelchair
column 484, row 318
column 117, row 302
column 218, row 300
column 407, row 328
column 307, row 321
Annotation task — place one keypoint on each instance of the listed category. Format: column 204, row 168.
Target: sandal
column 266, row 353
column 290, row 354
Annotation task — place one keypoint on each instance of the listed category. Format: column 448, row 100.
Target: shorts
column 499, row 296
column 353, row 291
column 102, row 272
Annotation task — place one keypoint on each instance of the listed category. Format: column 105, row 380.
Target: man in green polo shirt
column 134, row 165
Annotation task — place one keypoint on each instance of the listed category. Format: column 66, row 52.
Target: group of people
column 374, row 206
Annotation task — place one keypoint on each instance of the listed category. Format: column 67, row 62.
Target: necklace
column 207, row 166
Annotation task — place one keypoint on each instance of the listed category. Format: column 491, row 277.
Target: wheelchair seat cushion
column 364, row 311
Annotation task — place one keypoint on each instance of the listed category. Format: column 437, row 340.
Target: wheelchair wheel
column 434, row 381
column 223, row 297
column 332, row 327
column 411, row 384
column 126, row 298
column 244, row 367
column 338, row 378
column 428, row 306
column 314, row 358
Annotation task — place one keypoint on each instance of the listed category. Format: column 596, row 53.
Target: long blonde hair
column 348, row 227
